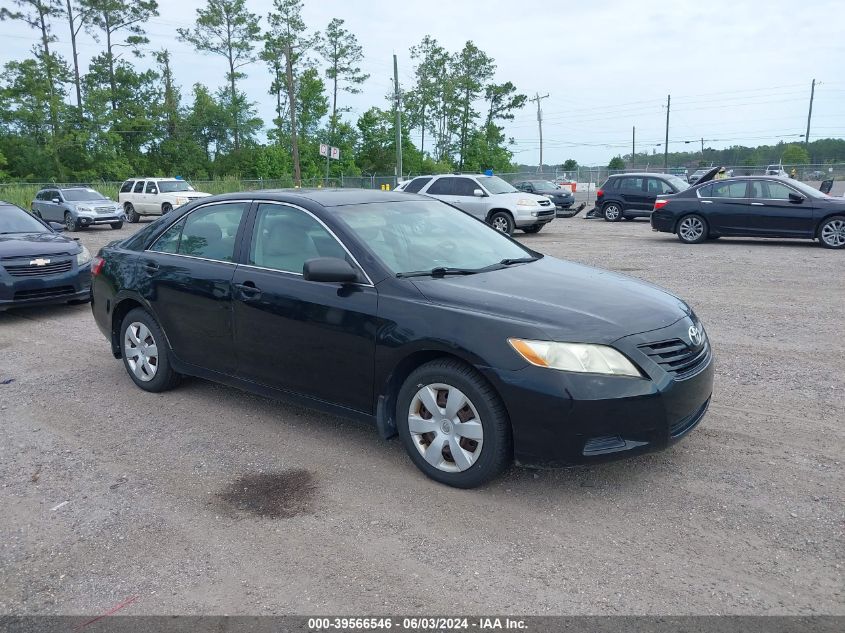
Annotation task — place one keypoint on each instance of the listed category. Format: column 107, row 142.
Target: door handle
column 151, row 267
column 757, row 204
column 248, row 291
column 706, row 202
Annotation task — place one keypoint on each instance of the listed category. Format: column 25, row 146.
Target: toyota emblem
column 695, row 336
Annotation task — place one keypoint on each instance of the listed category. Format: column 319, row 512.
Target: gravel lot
column 206, row 500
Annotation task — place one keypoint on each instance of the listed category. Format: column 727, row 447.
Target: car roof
column 325, row 197
column 640, row 173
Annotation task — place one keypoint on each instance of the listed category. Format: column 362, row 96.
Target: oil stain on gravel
column 275, row 495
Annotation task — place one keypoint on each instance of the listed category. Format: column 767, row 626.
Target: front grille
column 44, row 293
column 545, row 203
column 31, row 270
column 104, row 210
column 678, row 358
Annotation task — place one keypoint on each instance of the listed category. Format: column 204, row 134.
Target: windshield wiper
column 518, row 260
column 441, row 271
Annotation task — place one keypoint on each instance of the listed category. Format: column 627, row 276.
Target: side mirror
column 795, row 198
column 329, row 269
column 58, row 227
column 57, row 200
column 478, row 193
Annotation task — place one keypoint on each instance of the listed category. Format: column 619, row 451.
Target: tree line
column 119, row 117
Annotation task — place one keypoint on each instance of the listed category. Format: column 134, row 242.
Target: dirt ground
column 206, row 500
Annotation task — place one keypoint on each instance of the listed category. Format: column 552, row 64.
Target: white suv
column 155, row 196
column 488, row 198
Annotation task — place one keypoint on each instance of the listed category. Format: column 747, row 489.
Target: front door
column 773, row 213
column 725, row 206
column 186, row 276
column 312, row 338
column 463, row 196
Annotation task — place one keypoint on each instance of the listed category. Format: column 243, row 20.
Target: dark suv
column 628, row 196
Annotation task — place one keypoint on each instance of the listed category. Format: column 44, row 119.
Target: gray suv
column 488, row 198
column 77, row 207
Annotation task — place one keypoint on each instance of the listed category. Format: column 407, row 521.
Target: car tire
column 533, row 229
column 832, row 232
column 692, row 229
column 131, row 214
column 70, row 223
column 485, row 455
column 116, row 225
column 502, row 221
column 612, row 212
column 166, row 208
column 139, row 332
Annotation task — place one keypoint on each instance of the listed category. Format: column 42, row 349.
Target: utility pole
column 702, row 148
column 398, row 99
column 538, row 98
column 633, row 146
column 666, row 143
column 294, row 141
column 810, row 113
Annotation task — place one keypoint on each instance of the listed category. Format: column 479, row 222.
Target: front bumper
column 532, row 217
column 91, row 220
column 564, row 418
column 35, row 290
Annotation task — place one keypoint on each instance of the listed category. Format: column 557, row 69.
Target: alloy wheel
column 70, row 223
column 833, row 233
column 691, row 229
column 445, row 427
column 612, row 212
column 140, row 351
column 500, row 224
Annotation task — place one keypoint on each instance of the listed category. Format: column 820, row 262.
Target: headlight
column 84, row 209
column 83, row 257
column 524, row 202
column 581, row 357
column 181, row 200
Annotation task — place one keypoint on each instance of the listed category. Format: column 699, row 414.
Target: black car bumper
column 23, row 284
column 663, row 222
column 563, row 418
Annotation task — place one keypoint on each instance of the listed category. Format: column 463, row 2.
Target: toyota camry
column 406, row 312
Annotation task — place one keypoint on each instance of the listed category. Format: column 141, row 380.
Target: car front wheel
column 145, row 354
column 70, row 223
column 503, row 222
column 612, row 212
column 453, row 424
column 692, row 229
column 832, row 232
column 166, row 208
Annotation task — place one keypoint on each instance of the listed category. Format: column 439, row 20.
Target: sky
column 739, row 72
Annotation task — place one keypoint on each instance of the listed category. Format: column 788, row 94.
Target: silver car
column 77, row 207
column 488, row 198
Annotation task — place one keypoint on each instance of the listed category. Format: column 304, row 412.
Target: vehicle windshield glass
column 16, row 220
column 679, row 183
column 76, row 195
column 420, row 235
column 544, row 185
column 807, row 189
column 171, row 186
column 495, row 185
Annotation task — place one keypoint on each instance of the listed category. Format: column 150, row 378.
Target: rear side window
column 139, row 187
column 416, row 184
column 631, row 183
column 127, row 186
column 442, row 187
column 208, row 232
column 723, row 190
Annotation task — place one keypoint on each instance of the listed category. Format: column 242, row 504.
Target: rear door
column 771, row 211
column 186, row 276
column 312, row 338
column 725, row 205
column 631, row 191
column 137, row 196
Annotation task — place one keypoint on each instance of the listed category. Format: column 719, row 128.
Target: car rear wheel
column 116, row 225
column 145, row 354
column 832, row 232
column 692, row 229
column 454, row 426
column 131, row 214
column 532, row 229
column 502, row 221
column 612, row 212
column 70, row 223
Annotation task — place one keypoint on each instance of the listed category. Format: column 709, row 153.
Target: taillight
column 659, row 204
column 97, row 265
column 599, row 193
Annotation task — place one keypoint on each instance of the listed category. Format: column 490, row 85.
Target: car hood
column 567, row 301
column 32, row 244
column 513, row 198
column 190, row 194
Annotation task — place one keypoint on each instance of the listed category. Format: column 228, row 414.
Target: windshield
column 494, row 185
column 426, row 234
column 15, row 220
column 807, row 189
column 170, row 186
column 544, row 185
column 679, row 183
column 75, row 195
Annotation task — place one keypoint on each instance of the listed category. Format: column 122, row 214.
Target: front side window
column 465, row 187
column 127, row 186
column 285, row 238
column 658, row 187
column 139, row 187
column 768, row 190
column 151, row 187
column 209, row 232
column 416, row 184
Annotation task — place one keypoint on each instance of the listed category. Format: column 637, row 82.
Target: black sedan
column 561, row 197
column 755, row 206
column 406, row 312
column 38, row 265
